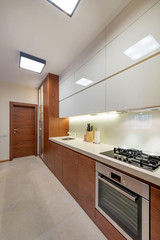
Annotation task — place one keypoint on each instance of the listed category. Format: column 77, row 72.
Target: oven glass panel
column 124, row 211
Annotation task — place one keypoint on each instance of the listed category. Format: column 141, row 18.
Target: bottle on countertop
column 96, row 137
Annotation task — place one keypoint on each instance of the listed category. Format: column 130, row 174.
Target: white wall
column 139, row 130
column 15, row 93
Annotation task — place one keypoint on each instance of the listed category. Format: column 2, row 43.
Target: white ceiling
column 40, row 29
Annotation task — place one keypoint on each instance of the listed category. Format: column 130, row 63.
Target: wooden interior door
column 23, row 131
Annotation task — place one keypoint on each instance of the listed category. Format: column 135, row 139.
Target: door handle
column 15, row 131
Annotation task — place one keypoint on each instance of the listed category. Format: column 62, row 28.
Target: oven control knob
column 130, row 160
column 124, row 158
column 124, row 183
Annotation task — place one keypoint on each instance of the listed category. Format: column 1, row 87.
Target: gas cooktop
column 134, row 157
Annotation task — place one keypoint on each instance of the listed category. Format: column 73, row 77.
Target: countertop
column 93, row 151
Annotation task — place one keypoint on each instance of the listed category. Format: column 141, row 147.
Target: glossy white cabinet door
column 148, row 24
column 65, row 87
column 66, row 108
column 94, row 69
column 136, row 87
column 91, row 100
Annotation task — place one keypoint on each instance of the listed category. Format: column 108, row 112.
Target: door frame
column 11, row 106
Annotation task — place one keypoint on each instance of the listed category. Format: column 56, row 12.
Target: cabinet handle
column 124, row 192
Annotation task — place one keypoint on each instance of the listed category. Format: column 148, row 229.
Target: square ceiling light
column 31, row 63
column 84, row 82
column 142, row 48
column 66, row 6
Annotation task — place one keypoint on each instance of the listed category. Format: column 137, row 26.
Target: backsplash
column 139, row 130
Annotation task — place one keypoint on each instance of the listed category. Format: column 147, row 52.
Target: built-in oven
column 123, row 201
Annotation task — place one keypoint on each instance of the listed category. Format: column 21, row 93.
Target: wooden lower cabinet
column 49, row 122
column 51, row 157
column 58, row 163
column 107, row 228
column 155, row 213
column 70, row 171
column 55, row 159
column 86, row 184
column 77, row 174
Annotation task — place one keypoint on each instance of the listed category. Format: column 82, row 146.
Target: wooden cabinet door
column 55, row 159
column 107, row 228
column 45, row 121
column 155, row 213
column 50, row 161
column 86, row 184
column 53, row 126
column 70, row 171
column 58, row 161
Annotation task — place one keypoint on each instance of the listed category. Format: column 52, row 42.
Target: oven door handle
column 133, row 198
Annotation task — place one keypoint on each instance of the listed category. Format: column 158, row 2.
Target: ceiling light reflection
column 84, row 82
column 142, row 48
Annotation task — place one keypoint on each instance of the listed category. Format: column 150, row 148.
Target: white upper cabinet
column 91, row 100
column 146, row 30
column 65, row 87
column 94, row 69
column 137, row 87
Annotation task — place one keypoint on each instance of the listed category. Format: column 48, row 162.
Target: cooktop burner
column 134, row 157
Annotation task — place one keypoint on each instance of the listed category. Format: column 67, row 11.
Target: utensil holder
column 89, row 136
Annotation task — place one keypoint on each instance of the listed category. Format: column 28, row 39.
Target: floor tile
column 35, row 206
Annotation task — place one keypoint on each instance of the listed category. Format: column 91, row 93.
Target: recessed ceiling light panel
column 31, row 63
column 142, row 48
column 84, row 82
column 67, row 6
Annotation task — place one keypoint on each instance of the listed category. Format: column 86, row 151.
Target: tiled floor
column 35, row 206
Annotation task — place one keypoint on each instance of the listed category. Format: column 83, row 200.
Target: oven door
column 120, row 206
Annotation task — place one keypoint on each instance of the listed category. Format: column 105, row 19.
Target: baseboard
column 4, row 161
column 1, row 161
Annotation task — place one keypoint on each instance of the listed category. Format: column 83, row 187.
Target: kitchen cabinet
column 91, row 100
column 155, row 213
column 55, row 160
column 86, row 184
column 147, row 24
column 40, row 114
column 137, row 87
column 107, row 228
column 51, row 158
column 70, row 171
column 77, row 174
column 51, row 124
column 93, row 70
column 67, row 87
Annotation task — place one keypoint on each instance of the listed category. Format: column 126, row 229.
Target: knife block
column 89, row 136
